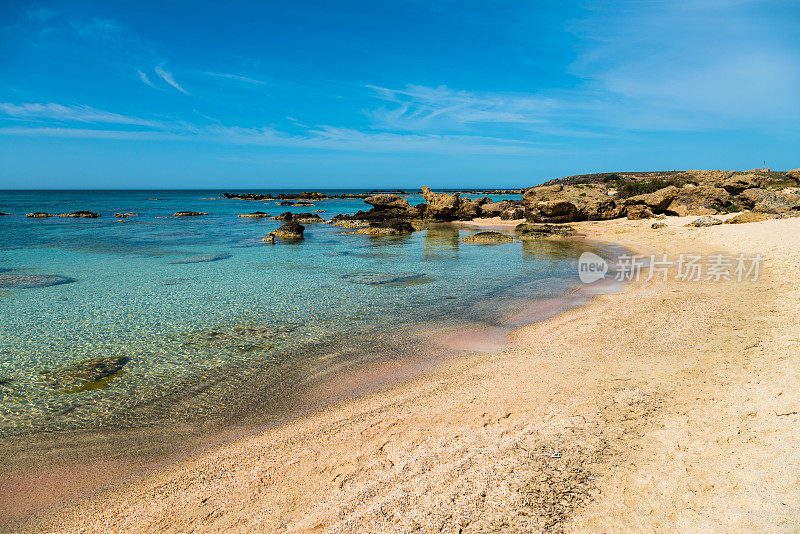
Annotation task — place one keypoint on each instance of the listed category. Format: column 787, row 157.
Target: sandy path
column 652, row 410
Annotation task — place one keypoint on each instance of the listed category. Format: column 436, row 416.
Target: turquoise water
column 210, row 322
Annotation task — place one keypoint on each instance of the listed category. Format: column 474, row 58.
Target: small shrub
column 631, row 188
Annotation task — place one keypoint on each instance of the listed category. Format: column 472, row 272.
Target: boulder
column 698, row 200
column 657, row 225
column 488, row 238
column 255, row 215
column 440, row 206
column 539, row 231
column 468, row 209
column 736, row 183
column 494, row 209
column 765, row 201
column 637, row 212
column 704, row 221
column 513, row 213
column 38, row 215
column 291, row 231
column 483, row 200
column 189, row 213
column 657, row 201
column 749, row 217
column 285, row 216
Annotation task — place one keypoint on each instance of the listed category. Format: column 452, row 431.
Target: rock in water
column 487, row 238
column 81, row 214
column 705, row 221
column 38, row 215
column 85, row 375
column 291, row 231
column 441, row 206
column 376, row 279
column 254, row 215
column 189, row 213
column 33, row 280
column 538, row 231
column 201, row 258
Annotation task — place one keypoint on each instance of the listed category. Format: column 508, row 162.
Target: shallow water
column 192, row 319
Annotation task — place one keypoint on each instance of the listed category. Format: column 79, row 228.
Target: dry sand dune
column 669, row 407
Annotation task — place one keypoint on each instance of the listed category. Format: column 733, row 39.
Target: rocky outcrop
column 541, row 231
column 488, row 238
column 765, row 201
column 385, row 201
column 38, row 215
column 794, row 174
column 467, row 210
column 255, row 215
column 128, row 214
column 698, row 200
column 559, row 203
column 440, row 206
column 247, row 196
column 704, row 221
column 291, row 231
column 307, row 218
column 189, row 213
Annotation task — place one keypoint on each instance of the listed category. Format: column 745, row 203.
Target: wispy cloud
column 167, row 77
column 236, row 77
column 145, row 79
column 71, row 113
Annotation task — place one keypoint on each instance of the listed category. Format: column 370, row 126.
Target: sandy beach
column 672, row 406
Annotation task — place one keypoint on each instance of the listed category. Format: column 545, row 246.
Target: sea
column 113, row 331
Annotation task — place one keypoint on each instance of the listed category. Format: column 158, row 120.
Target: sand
column 672, row 406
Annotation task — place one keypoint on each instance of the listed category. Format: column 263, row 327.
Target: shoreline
column 473, row 428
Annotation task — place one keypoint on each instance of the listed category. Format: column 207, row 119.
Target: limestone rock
column 704, row 221
column 487, row 238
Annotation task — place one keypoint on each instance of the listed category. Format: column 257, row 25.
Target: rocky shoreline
column 759, row 194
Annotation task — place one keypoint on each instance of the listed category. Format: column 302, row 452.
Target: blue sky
column 381, row 94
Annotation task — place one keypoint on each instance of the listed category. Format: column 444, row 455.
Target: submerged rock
column 125, row 215
column 33, row 280
column 386, row 228
column 375, row 279
column 189, row 213
column 488, row 238
column 291, row 231
column 254, row 215
column 201, row 258
column 85, row 375
column 38, row 215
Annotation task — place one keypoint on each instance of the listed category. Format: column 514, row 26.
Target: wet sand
column 671, row 406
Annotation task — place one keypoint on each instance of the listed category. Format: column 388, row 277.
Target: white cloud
column 70, row 113
column 167, row 77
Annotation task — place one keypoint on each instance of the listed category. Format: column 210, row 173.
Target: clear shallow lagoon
column 209, row 322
